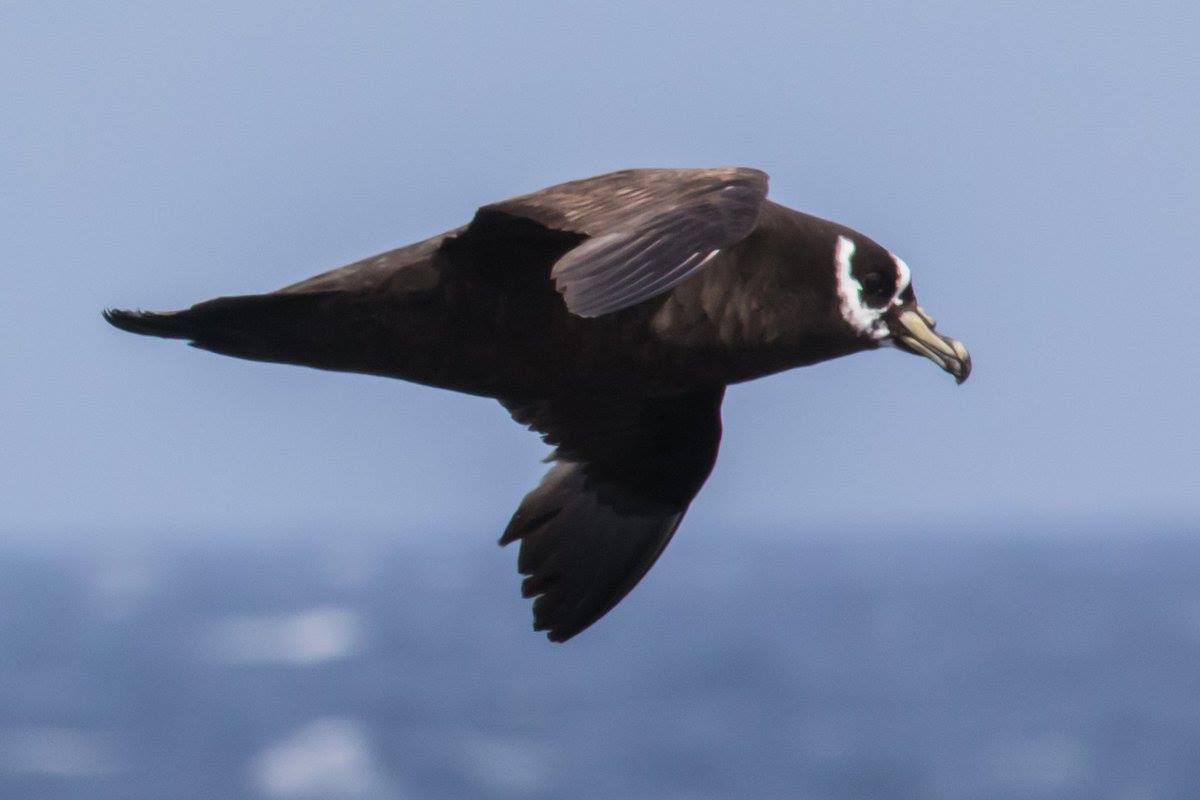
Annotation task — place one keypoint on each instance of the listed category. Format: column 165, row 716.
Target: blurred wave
column 935, row 667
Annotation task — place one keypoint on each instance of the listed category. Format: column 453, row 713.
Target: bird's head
column 876, row 300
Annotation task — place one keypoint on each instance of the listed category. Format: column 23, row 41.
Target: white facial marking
column 903, row 277
column 862, row 318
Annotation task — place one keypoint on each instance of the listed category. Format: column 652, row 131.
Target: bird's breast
column 732, row 322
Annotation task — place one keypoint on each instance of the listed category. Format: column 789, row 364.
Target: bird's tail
column 168, row 324
column 313, row 328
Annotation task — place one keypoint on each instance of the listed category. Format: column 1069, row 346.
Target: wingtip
column 557, row 635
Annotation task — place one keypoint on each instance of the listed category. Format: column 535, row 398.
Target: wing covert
column 647, row 229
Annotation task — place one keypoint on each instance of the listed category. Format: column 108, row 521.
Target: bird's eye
column 874, row 286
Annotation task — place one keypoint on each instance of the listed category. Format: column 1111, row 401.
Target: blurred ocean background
column 1031, row 663
column 221, row 579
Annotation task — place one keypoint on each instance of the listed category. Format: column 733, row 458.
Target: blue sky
column 1036, row 166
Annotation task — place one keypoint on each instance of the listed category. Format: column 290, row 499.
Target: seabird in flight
column 608, row 314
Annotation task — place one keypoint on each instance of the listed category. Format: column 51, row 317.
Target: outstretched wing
column 626, row 470
column 647, row 229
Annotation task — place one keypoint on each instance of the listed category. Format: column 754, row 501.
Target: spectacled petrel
column 608, row 314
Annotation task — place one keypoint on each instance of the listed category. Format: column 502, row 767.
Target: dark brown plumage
column 608, row 314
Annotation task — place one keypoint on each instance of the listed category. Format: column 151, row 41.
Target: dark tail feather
column 169, row 324
column 318, row 329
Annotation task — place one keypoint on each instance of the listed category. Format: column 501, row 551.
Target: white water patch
column 1039, row 765
column 510, row 766
column 866, row 321
column 60, row 752
column 321, row 634
column 327, row 758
